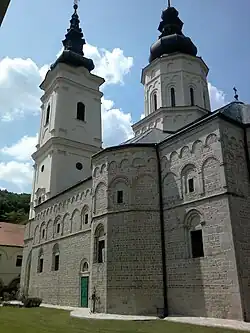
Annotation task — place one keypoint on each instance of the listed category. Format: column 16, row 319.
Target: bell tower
column 175, row 81
column 70, row 130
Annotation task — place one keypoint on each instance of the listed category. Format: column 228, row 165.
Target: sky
column 119, row 35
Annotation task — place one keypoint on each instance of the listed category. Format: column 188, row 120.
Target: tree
column 14, row 208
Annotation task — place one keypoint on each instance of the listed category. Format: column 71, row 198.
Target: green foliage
column 14, row 208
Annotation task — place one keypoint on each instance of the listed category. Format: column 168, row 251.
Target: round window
column 79, row 166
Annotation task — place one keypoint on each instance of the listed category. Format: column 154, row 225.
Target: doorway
column 84, row 291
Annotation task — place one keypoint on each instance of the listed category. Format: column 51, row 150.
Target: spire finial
column 73, row 45
column 76, row 3
column 169, row 3
column 236, row 96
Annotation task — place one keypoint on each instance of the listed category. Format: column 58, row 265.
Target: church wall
column 73, row 239
column 99, row 222
column 206, row 286
column 237, row 177
column 133, row 256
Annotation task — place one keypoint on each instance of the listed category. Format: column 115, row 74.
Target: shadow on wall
column 184, row 239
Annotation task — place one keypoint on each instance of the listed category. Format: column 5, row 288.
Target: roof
column 152, row 135
column 11, row 234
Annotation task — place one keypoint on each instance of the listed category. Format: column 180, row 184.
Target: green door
column 84, row 291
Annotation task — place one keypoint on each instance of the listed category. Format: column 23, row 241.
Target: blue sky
column 121, row 33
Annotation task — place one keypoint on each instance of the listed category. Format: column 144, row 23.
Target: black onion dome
column 171, row 39
column 73, row 46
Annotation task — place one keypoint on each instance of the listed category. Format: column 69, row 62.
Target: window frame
column 192, row 245
column 18, row 258
column 191, row 94
column 119, row 197
column 172, row 97
column 47, row 118
column 55, row 258
column 81, row 112
column 190, row 185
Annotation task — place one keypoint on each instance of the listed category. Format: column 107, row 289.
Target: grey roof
column 152, row 135
column 236, row 111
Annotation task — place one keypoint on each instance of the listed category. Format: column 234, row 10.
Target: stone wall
column 206, row 286
column 133, row 256
column 238, row 185
column 59, row 221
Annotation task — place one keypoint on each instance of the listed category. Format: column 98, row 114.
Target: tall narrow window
column 81, row 111
column 172, row 92
column 47, row 115
column 99, row 245
column 119, row 197
column 55, row 258
column 40, row 262
column 101, row 248
column 192, row 96
column 57, row 262
column 86, row 218
column 197, row 244
column 191, row 185
column 19, row 260
column 155, row 101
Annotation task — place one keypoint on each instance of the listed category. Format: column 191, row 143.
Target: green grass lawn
column 43, row 320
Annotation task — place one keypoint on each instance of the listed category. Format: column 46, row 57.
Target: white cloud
column 23, row 149
column 19, row 88
column 217, row 97
column 111, row 65
column 116, row 125
column 19, row 174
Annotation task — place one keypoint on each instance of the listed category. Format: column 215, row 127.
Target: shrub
column 32, row 302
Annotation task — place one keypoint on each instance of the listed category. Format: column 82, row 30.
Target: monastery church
column 158, row 224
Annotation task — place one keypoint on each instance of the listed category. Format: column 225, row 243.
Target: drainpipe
column 163, row 248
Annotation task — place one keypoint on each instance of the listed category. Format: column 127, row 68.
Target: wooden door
column 84, row 291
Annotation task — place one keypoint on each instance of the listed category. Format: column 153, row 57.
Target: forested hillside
column 14, row 207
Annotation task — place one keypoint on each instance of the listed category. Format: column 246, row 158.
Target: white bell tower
column 70, row 129
column 175, row 81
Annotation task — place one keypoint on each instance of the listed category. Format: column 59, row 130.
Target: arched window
column 55, row 258
column 192, row 96
column 43, row 232
column 81, row 111
column 40, row 262
column 194, row 235
column 85, row 215
column 189, row 177
column 85, row 267
column 39, row 200
column 155, row 107
column 58, row 226
column 47, row 115
column 172, row 93
column 99, row 244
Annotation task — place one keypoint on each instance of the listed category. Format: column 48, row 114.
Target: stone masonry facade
column 156, row 225
column 130, row 279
